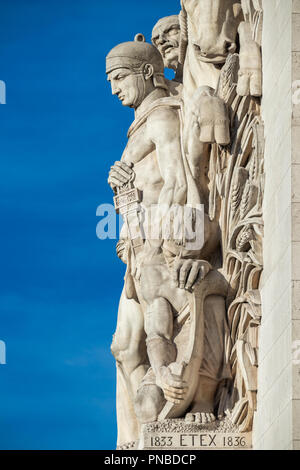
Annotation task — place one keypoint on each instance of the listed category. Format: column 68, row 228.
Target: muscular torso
column 140, row 151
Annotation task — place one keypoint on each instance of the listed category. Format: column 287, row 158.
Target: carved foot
column 200, row 418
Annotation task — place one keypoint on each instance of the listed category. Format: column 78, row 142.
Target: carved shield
column 189, row 339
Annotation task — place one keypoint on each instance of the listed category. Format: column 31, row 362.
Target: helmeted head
column 166, row 37
column 134, row 69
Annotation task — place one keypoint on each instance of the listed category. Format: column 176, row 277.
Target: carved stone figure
column 166, row 38
column 209, row 34
column 235, row 196
column 187, row 332
column 160, row 273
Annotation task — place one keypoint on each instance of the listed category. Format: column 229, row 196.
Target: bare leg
column 128, row 427
column 129, row 350
column 161, row 348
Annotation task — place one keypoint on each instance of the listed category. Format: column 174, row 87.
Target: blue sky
column 60, row 131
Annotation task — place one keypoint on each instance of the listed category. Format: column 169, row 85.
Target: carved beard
column 140, row 91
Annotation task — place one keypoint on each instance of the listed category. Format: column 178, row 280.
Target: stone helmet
column 134, row 56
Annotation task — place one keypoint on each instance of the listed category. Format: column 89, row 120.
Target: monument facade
column 190, row 187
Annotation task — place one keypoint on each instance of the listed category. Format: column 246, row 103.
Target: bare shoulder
column 163, row 122
column 166, row 113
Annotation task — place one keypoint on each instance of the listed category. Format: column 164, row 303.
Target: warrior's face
column 166, row 37
column 128, row 85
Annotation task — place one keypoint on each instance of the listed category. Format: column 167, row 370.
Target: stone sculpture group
column 186, row 341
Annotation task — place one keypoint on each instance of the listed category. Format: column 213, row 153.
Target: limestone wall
column 279, row 380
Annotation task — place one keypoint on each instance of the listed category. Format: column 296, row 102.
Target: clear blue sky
column 59, row 133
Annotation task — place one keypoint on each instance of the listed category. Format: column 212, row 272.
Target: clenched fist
column 119, row 175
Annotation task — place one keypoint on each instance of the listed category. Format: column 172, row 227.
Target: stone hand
column 121, row 249
column 250, row 80
column 173, row 386
column 211, row 117
column 250, row 73
column 119, row 175
column 186, row 273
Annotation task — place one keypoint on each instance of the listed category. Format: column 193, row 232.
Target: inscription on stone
column 205, row 440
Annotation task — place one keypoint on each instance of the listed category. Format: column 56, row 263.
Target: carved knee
column 149, row 403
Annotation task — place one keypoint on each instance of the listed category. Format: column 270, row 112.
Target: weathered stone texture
column 275, row 425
